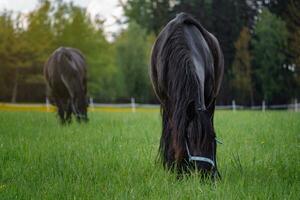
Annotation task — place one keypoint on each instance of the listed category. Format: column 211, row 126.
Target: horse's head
column 80, row 108
column 189, row 142
column 200, row 144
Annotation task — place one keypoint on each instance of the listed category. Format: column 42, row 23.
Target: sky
column 107, row 9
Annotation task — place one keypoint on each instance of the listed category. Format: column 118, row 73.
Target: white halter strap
column 199, row 158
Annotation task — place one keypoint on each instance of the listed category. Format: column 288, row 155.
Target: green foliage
column 113, row 157
column 150, row 15
column 73, row 27
column 293, row 24
column 16, row 54
column 39, row 36
column 7, row 37
column 295, row 49
column 269, row 44
column 241, row 68
column 288, row 10
column 132, row 57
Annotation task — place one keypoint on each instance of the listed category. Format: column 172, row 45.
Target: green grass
column 113, row 157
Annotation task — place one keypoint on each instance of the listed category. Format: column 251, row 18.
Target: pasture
column 113, row 157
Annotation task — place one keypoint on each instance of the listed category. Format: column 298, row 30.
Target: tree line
column 260, row 40
column 116, row 71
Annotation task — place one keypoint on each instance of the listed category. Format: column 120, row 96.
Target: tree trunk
column 15, row 88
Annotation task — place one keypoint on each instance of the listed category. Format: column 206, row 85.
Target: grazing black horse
column 65, row 73
column 186, row 71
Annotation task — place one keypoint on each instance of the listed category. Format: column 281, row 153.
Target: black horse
column 65, row 73
column 186, row 71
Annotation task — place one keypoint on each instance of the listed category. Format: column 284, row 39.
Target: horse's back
column 65, row 59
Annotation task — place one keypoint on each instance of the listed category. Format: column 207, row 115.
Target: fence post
column 233, row 105
column 92, row 104
column 47, row 105
column 296, row 105
column 263, row 107
column 133, row 105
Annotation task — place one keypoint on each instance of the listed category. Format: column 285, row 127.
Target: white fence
column 133, row 105
column 293, row 106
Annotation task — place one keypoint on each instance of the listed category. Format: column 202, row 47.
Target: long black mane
column 186, row 72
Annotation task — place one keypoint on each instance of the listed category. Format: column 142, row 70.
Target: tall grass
column 113, row 157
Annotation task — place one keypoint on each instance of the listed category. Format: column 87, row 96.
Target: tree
column 293, row 24
column 241, row 69
column 36, row 43
column 7, row 38
column 289, row 10
column 150, row 15
column 132, row 56
column 223, row 18
column 269, row 46
column 24, row 50
column 18, row 52
column 73, row 27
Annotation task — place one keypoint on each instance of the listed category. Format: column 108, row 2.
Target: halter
column 199, row 158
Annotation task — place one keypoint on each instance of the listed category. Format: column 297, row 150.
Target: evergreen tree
column 293, row 24
column 289, row 10
column 269, row 44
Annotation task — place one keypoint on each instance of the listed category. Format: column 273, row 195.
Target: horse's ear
column 191, row 110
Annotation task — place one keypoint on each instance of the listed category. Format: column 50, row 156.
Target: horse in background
column 187, row 68
column 65, row 74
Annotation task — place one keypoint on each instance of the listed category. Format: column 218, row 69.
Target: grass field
column 113, row 157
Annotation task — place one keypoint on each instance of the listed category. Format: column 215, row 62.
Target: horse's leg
column 60, row 110
column 86, row 119
column 80, row 112
column 75, row 109
column 69, row 112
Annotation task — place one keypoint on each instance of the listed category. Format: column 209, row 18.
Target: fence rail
column 259, row 107
column 132, row 107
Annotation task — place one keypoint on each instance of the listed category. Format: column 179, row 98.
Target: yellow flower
column 2, row 187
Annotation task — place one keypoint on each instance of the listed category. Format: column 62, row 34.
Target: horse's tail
column 69, row 73
column 71, row 76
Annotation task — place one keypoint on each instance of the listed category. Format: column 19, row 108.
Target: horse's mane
column 158, row 62
column 177, row 85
